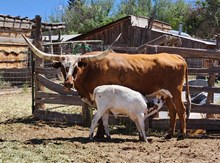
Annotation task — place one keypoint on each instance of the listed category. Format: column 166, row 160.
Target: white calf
column 122, row 100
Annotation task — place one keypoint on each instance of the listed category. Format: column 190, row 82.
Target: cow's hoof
column 150, row 140
column 99, row 136
column 167, row 136
column 108, row 137
column 180, row 137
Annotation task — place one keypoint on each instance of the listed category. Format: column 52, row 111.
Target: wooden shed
column 13, row 51
column 14, row 58
column 131, row 28
column 134, row 33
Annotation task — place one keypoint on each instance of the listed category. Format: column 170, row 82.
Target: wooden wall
column 130, row 27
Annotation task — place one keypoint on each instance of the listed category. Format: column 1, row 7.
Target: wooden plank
column 13, row 40
column 41, row 94
column 196, row 71
column 132, row 50
column 45, row 71
column 185, row 52
column 205, row 108
column 203, row 89
column 53, row 86
column 208, row 124
column 53, row 98
column 57, row 117
column 164, row 39
column 67, row 100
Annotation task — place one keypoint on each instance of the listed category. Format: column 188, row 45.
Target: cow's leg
column 105, row 118
column 172, row 114
column 95, row 119
column 100, row 131
column 181, row 111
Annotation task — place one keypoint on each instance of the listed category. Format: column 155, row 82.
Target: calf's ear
column 56, row 64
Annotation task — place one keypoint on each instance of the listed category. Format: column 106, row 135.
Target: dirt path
column 25, row 139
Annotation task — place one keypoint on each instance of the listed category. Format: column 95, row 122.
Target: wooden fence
column 72, row 98
column 59, row 96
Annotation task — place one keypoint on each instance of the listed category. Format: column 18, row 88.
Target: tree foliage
column 201, row 19
column 204, row 19
column 173, row 13
column 83, row 15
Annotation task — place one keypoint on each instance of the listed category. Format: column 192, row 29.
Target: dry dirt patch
column 25, row 139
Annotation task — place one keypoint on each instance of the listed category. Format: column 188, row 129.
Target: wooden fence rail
column 72, row 98
column 59, row 96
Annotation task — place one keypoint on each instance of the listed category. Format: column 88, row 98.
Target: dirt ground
column 25, row 139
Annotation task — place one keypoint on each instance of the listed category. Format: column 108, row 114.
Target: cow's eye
column 67, row 69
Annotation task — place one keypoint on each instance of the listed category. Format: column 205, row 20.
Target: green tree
column 172, row 12
column 84, row 15
column 134, row 7
column 204, row 19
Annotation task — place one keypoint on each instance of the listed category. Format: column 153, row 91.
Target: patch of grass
column 14, row 151
column 4, row 84
column 25, row 87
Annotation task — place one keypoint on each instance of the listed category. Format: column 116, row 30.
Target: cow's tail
column 188, row 97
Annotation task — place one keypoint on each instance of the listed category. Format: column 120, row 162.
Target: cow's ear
column 56, row 64
column 82, row 64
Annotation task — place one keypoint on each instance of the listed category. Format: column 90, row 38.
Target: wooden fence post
column 86, row 115
column 38, row 61
column 212, row 77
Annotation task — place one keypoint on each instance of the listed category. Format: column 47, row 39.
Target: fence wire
column 11, row 78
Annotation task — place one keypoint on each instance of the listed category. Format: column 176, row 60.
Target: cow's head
column 68, row 63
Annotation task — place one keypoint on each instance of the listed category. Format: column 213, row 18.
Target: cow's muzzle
column 69, row 83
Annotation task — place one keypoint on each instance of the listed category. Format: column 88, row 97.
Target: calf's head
column 68, row 63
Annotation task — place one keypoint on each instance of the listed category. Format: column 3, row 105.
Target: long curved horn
column 101, row 55
column 39, row 53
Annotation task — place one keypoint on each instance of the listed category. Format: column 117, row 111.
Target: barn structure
column 136, row 31
column 14, row 58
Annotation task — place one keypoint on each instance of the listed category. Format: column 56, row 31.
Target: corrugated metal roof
column 187, row 37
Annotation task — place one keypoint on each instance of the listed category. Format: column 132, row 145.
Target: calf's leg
column 142, row 126
column 139, row 129
column 105, row 118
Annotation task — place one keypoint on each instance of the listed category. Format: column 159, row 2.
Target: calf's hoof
column 91, row 138
column 141, row 138
column 167, row 136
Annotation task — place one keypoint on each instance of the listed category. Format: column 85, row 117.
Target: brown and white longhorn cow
column 143, row 73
